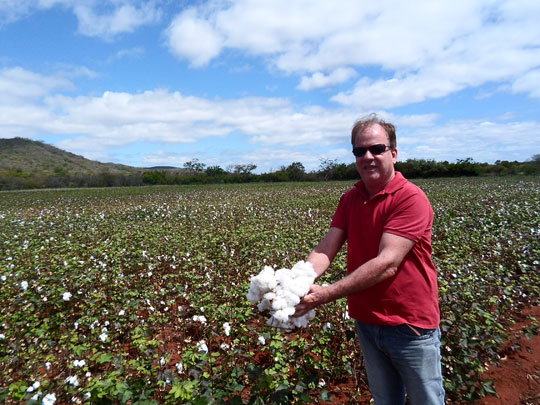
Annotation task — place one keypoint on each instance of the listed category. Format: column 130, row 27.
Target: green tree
column 194, row 165
column 244, row 169
column 296, row 171
column 155, row 177
column 215, row 171
column 327, row 167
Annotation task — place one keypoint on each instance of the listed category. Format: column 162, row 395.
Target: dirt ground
column 517, row 377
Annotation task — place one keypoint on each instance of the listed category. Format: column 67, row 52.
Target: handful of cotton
column 280, row 291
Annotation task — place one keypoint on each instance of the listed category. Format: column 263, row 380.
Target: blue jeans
column 397, row 360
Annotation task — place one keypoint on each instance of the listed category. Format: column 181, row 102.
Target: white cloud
column 528, row 83
column 115, row 119
column 461, row 139
column 17, row 84
column 422, row 49
column 125, row 17
column 277, row 131
column 134, row 52
column 193, row 38
column 274, row 27
column 369, row 94
column 322, row 36
column 164, row 158
column 272, row 159
column 96, row 18
column 12, row 10
column 415, row 120
column 319, row 79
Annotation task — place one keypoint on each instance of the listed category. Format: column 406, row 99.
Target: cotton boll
column 304, row 281
column 303, row 269
column 284, row 314
column 227, row 328
column 300, row 287
column 280, row 291
column 266, row 280
column 291, row 298
column 302, row 321
column 284, row 276
column 253, row 296
column 264, row 305
column 269, row 296
column 49, row 399
column 276, row 323
column 261, row 284
column 279, row 303
column 267, row 270
column 273, row 322
column 202, row 347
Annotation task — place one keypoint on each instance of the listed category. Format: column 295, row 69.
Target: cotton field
column 185, row 294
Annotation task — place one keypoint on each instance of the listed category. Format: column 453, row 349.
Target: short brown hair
column 364, row 123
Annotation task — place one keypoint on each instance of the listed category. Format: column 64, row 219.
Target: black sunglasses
column 378, row 149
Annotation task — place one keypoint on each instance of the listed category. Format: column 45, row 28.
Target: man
column 391, row 282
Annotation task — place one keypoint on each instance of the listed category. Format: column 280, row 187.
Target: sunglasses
column 378, row 149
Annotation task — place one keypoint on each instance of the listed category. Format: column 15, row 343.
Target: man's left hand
column 316, row 296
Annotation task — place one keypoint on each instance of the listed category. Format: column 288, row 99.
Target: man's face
column 375, row 170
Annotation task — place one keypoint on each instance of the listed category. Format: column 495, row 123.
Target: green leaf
column 126, row 396
column 325, row 395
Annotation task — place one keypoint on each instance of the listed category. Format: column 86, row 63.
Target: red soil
column 517, row 377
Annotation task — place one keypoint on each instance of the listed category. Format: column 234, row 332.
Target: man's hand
column 316, row 296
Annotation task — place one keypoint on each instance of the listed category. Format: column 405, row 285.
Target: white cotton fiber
column 291, row 298
column 280, row 291
column 262, row 283
column 265, row 305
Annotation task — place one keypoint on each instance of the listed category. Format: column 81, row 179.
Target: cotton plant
column 279, row 291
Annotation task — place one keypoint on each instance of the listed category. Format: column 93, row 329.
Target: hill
column 35, row 156
column 29, row 164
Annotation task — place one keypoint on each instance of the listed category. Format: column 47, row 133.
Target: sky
column 270, row 82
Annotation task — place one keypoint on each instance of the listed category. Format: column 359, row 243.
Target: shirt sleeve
column 339, row 219
column 411, row 217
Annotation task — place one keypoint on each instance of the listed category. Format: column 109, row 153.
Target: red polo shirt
column 402, row 208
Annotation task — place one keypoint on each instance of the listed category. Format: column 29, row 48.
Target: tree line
column 195, row 172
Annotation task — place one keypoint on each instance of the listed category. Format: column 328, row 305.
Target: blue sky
column 163, row 82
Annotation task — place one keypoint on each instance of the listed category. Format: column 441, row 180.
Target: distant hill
column 20, row 154
column 164, row 168
column 26, row 155
column 28, row 164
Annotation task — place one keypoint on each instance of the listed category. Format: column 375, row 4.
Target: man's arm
column 392, row 251
column 321, row 257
